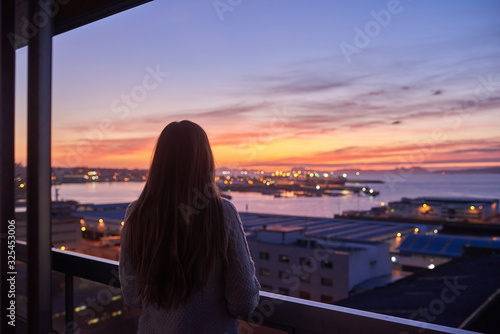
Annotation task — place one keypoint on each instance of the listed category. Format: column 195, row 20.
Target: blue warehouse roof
column 443, row 245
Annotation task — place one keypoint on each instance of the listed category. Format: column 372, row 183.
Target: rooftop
column 458, row 200
column 337, row 228
column 444, row 245
column 280, row 228
column 448, row 295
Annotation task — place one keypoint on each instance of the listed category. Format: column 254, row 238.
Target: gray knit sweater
column 231, row 292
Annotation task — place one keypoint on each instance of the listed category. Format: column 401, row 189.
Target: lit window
column 284, row 258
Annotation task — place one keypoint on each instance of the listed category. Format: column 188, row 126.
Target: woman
column 184, row 259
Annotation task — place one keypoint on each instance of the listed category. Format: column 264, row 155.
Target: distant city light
column 357, row 173
column 364, row 189
column 82, row 221
column 393, row 259
column 371, row 191
column 424, row 205
column 382, row 204
column 63, row 248
column 83, row 228
column 472, row 207
column 344, row 175
column 435, row 231
column 317, row 187
column 392, row 210
column 123, row 223
column 399, row 234
column 431, row 266
column 325, row 174
column 416, row 230
column 80, row 308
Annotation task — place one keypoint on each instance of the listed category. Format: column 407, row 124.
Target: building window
column 325, row 281
column 284, row 274
column 305, row 278
column 305, row 261
column 284, row 258
column 304, row 295
column 326, row 299
column 327, row 264
column 266, row 287
column 284, row 291
column 264, row 255
column 264, row 271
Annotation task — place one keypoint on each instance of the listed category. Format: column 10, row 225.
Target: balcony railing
column 281, row 313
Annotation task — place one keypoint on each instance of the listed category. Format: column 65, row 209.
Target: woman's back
column 231, row 291
column 184, row 258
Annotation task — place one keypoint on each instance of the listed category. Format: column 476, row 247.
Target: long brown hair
column 174, row 234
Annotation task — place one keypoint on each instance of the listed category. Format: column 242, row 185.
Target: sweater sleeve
column 128, row 281
column 241, row 285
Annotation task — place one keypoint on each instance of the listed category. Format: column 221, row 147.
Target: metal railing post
column 69, row 301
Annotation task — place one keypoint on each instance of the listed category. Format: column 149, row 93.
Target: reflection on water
column 449, row 185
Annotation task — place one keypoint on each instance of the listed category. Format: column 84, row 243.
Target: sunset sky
column 319, row 84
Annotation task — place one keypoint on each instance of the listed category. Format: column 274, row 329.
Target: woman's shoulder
column 230, row 212
column 228, row 205
column 130, row 207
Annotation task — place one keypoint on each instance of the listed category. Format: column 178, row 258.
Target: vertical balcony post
column 69, row 301
column 7, row 162
column 39, row 168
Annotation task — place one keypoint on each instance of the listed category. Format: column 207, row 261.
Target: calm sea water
column 395, row 187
